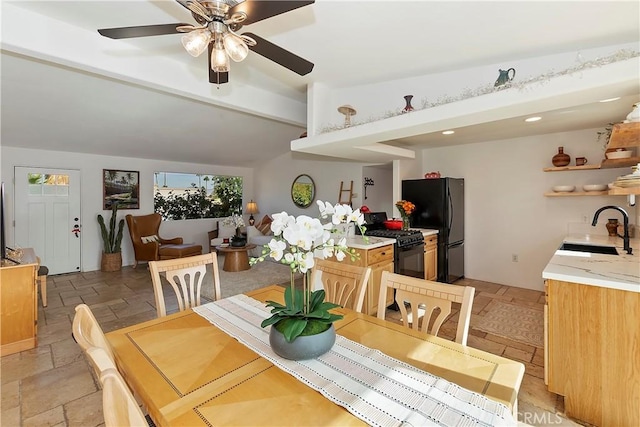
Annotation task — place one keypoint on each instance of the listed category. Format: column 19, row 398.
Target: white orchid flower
column 306, row 261
column 281, row 221
column 325, row 208
column 298, row 235
column 276, row 249
column 357, row 217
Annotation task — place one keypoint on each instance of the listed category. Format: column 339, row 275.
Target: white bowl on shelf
column 564, row 188
column 623, row 154
column 594, row 187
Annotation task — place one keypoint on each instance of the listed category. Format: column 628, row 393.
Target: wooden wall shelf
column 576, row 193
column 572, row 168
column 619, row 163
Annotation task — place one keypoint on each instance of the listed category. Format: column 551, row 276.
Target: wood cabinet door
column 431, row 258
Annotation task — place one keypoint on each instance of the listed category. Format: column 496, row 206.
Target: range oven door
column 410, row 261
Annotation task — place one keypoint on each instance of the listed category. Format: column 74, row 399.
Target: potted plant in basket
column 302, row 327
column 111, row 240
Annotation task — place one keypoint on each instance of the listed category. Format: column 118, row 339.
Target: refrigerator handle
column 450, row 212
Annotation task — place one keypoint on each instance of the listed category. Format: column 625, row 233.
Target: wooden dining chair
column 343, row 284
column 87, row 332
column 424, row 296
column 43, row 271
column 186, row 276
column 119, row 406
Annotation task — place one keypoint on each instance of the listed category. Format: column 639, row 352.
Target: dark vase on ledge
column 561, row 159
column 407, row 107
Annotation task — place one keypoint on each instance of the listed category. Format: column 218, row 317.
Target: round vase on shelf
column 561, row 159
column 303, row 347
column 612, row 227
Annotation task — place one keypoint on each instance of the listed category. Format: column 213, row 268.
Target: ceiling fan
column 217, row 31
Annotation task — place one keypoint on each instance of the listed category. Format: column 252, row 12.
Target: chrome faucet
column 625, row 216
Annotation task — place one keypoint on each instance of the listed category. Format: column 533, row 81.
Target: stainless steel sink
column 594, row 249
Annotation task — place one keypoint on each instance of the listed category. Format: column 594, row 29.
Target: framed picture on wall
column 120, row 187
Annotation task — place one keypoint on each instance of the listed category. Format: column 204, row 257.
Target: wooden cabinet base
column 19, row 304
column 18, row 346
column 594, row 361
column 379, row 259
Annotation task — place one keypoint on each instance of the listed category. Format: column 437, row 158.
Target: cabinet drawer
column 384, row 253
column 431, row 240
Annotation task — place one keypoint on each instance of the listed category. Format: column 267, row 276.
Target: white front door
column 47, row 216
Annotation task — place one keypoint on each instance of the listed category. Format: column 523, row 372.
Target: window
column 48, row 185
column 190, row 196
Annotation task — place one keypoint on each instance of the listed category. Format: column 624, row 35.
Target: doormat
column 514, row 322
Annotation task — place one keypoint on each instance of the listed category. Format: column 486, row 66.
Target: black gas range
column 408, row 251
column 374, row 222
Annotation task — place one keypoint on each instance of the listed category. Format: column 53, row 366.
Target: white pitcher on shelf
column 634, row 115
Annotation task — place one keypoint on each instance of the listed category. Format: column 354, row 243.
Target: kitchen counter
column 426, row 232
column 374, row 242
column 620, row 272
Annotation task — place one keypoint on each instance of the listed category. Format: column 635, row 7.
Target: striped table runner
column 378, row 389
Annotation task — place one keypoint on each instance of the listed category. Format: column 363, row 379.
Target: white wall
column 379, row 195
column 506, row 212
column 90, row 167
column 274, row 179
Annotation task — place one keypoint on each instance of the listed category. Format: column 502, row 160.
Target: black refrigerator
column 440, row 205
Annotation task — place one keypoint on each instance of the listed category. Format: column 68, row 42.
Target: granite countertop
column 610, row 271
column 374, row 242
column 426, row 231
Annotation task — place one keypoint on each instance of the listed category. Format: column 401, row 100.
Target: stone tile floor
column 53, row 384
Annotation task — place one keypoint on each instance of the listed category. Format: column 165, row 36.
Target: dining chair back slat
column 422, row 298
column 343, row 284
column 186, row 277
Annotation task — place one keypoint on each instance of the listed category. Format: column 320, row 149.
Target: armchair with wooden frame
column 149, row 246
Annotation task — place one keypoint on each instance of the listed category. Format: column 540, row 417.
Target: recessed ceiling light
column 448, row 132
column 609, row 99
column 533, row 119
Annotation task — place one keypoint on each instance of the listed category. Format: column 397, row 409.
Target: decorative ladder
column 349, row 194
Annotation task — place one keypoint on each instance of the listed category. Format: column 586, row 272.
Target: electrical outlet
column 514, row 258
column 585, row 218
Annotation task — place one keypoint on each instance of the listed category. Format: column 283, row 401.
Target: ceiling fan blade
column 215, row 78
column 140, row 31
column 257, row 10
column 279, row 55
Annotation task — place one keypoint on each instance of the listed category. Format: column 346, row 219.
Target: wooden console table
column 235, row 258
column 19, row 304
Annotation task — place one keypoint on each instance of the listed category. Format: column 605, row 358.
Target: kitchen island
column 592, row 331
column 377, row 253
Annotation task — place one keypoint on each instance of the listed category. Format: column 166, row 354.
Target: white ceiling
column 148, row 98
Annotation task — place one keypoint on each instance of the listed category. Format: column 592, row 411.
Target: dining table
column 188, row 372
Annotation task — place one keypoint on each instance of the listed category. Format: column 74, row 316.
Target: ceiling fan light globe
column 235, row 47
column 219, row 59
column 196, row 42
